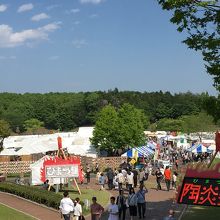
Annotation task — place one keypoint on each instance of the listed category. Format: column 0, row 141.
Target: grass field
column 216, row 160
column 10, row 214
column 102, row 197
column 202, row 213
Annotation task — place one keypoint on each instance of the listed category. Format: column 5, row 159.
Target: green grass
column 102, row 197
column 10, row 214
column 202, row 213
column 216, row 160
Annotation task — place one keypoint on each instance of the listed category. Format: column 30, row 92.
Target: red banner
column 59, row 141
column 217, row 141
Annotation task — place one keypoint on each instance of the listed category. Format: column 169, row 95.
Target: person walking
column 113, row 210
column 141, row 202
column 77, row 213
column 96, row 209
column 66, row 206
column 135, row 177
column 141, row 176
column 167, row 176
column 121, row 202
column 132, row 203
column 175, row 174
column 102, row 181
column 159, row 177
column 110, row 177
column 130, row 179
column 121, row 180
column 88, row 172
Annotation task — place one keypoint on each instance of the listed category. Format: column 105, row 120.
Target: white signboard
column 62, row 171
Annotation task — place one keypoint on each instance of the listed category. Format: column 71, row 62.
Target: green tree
column 118, row 130
column 4, row 132
column 33, row 124
column 169, row 124
column 198, row 123
column 131, row 126
column 106, row 130
column 201, row 21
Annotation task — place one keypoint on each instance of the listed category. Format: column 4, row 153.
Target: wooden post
column 77, row 185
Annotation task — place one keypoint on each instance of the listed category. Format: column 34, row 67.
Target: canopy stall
column 143, row 151
column 199, row 149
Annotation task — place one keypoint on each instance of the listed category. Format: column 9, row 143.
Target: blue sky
column 87, row 45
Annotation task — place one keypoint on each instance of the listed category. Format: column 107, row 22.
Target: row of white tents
column 77, row 143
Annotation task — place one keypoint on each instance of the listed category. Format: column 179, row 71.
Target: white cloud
column 9, row 38
column 76, row 22
column 8, row 57
column 54, row 58
column 94, row 16
column 72, row 11
column 40, row 16
column 91, row 1
column 25, row 7
column 51, row 7
column 79, row 43
column 3, row 8
column 75, row 10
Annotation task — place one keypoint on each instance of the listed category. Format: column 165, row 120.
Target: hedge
column 32, row 193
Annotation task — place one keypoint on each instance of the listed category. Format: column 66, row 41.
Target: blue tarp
column 199, row 149
column 145, row 151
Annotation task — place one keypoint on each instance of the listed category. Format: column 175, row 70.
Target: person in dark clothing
column 121, row 202
column 88, row 171
column 135, row 172
column 110, row 176
column 159, row 177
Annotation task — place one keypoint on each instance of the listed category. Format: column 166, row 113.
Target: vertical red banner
column 59, row 141
column 217, row 141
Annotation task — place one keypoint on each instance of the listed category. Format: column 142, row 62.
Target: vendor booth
column 199, row 149
column 144, row 151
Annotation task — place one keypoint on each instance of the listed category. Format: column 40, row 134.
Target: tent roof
column 76, row 143
column 142, row 151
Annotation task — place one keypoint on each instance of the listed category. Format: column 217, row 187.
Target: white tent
column 76, row 143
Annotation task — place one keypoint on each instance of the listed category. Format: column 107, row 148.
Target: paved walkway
column 158, row 204
column 36, row 211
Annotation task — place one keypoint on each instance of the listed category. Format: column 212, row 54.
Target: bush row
column 32, row 193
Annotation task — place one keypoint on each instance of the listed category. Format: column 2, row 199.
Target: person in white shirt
column 130, row 179
column 113, row 210
column 77, row 209
column 121, row 179
column 66, row 206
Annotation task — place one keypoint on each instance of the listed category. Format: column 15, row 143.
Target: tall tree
column 198, row 123
column 131, row 126
column 4, row 132
column 106, row 129
column 33, row 124
column 119, row 130
column 169, row 124
column 201, row 21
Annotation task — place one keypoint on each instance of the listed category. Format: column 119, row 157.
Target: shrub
column 32, row 193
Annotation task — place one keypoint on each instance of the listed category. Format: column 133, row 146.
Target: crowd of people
column 131, row 186
column 130, row 183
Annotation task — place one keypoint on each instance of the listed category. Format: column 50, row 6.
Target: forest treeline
column 67, row 111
